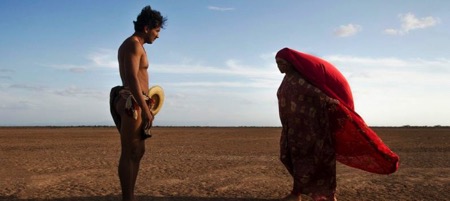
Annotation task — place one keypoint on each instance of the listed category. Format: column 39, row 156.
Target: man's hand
column 147, row 120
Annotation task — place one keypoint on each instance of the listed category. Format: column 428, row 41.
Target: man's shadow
column 140, row 198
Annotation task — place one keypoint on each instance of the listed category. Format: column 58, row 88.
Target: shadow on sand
column 139, row 198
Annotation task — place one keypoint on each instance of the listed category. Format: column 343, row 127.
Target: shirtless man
column 129, row 104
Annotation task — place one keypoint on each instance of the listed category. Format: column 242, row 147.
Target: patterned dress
column 307, row 145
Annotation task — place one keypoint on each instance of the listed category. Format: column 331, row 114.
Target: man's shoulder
column 130, row 42
column 130, row 45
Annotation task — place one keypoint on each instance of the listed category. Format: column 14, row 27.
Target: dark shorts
column 114, row 97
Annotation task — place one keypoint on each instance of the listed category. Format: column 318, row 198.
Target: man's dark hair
column 150, row 18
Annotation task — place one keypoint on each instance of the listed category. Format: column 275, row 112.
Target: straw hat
column 156, row 93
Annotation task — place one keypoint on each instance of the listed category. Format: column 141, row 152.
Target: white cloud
column 383, row 86
column 77, row 70
column 347, row 30
column 268, row 56
column 38, row 105
column 104, row 58
column 220, row 8
column 407, row 91
column 232, row 75
column 221, row 84
column 77, row 92
column 394, row 73
column 5, row 77
column 410, row 22
column 27, row 87
column 4, row 74
column 69, row 67
column 411, row 64
column 366, row 61
column 395, row 78
column 101, row 58
column 71, row 91
column 393, row 32
column 230, row 94
column 231, row 68
column 5, row 70
column 235, row 94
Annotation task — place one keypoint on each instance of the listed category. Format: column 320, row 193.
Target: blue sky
column 215, row 59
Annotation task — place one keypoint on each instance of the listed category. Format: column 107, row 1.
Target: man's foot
column 292, row 197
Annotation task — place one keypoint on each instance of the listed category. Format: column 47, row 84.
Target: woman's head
column 284, row 66
column 318, row 72
column 284, row 61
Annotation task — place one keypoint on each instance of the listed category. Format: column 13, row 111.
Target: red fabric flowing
column 357, row 145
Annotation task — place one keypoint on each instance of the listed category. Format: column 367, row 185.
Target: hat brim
column 156, row 93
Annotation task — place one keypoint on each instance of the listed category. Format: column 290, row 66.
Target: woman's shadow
column 140, row 198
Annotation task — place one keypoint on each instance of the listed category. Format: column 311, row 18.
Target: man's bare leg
column 133, row 149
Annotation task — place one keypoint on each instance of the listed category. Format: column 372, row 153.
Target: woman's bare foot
column 324, row 198
column 292, row 197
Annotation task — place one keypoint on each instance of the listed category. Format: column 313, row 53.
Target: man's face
column 152, row 35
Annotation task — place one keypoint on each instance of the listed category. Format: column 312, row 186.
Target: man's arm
column 132, row 60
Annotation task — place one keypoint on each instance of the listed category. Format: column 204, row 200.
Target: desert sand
column 204, row 164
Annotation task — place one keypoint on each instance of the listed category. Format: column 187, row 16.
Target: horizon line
column 112, row 126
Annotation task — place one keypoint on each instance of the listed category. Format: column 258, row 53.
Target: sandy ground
column 204, row 164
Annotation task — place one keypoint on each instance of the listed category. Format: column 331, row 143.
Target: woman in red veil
column 320, row 127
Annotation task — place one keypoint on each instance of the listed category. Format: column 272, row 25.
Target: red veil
column 357, row 145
